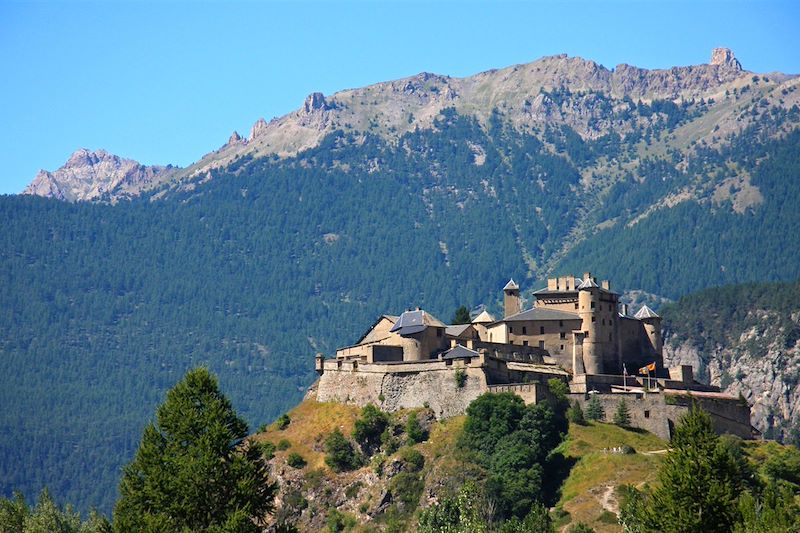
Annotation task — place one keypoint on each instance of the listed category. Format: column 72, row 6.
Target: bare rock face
column 723, row 57
column 314, row 102
column 235, row 138
column 258, row 129
column 97, row 176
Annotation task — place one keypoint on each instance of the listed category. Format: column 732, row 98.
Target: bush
column 460, row 377
column 295, row 460
column 414, row 430
column 406, row 488
column 580, row 527
column 339, row 453
column 594, row 409
column 283, row 444
column 338, row 521
column 369, row 428
column 389, row 442
column 266, row 448
column 283, row 421
column 413, row 461
column 352, row 491
column 575, row 414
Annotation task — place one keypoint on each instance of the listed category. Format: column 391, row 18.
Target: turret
column 588, row 293
column 652, row 326
column 511, row 300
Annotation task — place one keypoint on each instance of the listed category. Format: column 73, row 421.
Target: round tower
column 652, row 327
column 587, row 303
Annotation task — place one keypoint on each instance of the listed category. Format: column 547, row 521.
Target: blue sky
column 166, row 82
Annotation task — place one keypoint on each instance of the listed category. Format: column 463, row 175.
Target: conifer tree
column 594, row 409
column 461, row 316
column 622, row 416
column 190, row 472
column 699, row 484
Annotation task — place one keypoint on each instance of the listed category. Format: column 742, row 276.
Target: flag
column 649, row 368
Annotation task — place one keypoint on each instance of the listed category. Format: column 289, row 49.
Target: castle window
column 561, row 323
column 592, row 305
column 524, row 330
column 647, row 414
column 524, row 343
column 562, row 347
column 510, row 329
column 541, row 345
column 586, row 334
column 604, row 321
column 563, row 335
column 594, row 318
column 541, row 330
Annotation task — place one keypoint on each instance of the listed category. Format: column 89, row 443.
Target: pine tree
column 190, row 472
column 461, row 316
column 622, row 416
column 594, row 409
column 699, row 484
column 575, row 414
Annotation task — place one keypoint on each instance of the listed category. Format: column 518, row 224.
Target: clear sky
column 166, row 82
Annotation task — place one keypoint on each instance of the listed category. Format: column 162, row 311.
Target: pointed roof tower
column 645, row 312
column 511, row 285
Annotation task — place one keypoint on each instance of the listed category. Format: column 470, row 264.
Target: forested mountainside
column 269, row 259
column 744, row 338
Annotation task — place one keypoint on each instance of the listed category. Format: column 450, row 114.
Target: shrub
column 622, row 416
column 352, row 490
column 414, row 430
column 389, row 442
column 339, row 453
column 413, row 461
column 295, row 460
column 267, row 449
column 460, row 377
column 406, row 488
column 628, row 450
column 338, row 521
column 580, row 527
column 369, row 427
column 594, row 409
column 575, row 414
column 283, row 444
column 283, row 421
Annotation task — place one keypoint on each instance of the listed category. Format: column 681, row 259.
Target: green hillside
column 103, row 307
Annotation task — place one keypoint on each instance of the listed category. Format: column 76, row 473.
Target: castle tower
column 511, row 301
column 588, row 296
column 652, row 327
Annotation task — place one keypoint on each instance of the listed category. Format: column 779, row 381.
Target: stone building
column 577, row 331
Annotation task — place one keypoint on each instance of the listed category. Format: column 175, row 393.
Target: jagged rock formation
column 97, row 175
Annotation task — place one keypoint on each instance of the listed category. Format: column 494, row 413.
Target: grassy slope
column 589, row 489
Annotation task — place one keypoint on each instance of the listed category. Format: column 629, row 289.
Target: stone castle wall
column 393, row 387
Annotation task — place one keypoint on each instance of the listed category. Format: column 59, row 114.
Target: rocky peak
column 315, row 101
column 235, row 138
column 723, row 57
column 97, row 175
column 258, row 128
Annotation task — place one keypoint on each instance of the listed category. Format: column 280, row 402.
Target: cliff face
column 97, row 175
column 758, row 356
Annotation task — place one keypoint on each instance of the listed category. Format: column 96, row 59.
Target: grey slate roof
column 459, row 352
column 539, row 313
column 588, row 284
column 646, row 312
column 483, row 318
column 511, row 285
column 411, row 322
column 456, row 330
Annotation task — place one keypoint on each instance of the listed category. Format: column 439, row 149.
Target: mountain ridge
column 526, row 94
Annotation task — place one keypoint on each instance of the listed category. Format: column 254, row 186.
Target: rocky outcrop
column 258, row 129
column 97, row 176
column 762, row 363
column 723, row 57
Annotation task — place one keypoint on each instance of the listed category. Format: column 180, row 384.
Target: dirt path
column 608, row 501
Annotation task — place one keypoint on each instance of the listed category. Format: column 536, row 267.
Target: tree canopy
column 193, row 471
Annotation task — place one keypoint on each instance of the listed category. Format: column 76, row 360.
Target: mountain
column 97, row 176
column 251, row 261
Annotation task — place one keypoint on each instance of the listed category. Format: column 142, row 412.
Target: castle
column 577, row 331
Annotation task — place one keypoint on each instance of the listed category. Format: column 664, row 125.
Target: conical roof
column 588, row 284
column 646, row 312
column 483, row 318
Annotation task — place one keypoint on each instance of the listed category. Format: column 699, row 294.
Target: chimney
column 606, row 285
column 552, row 284
column 587, row 276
